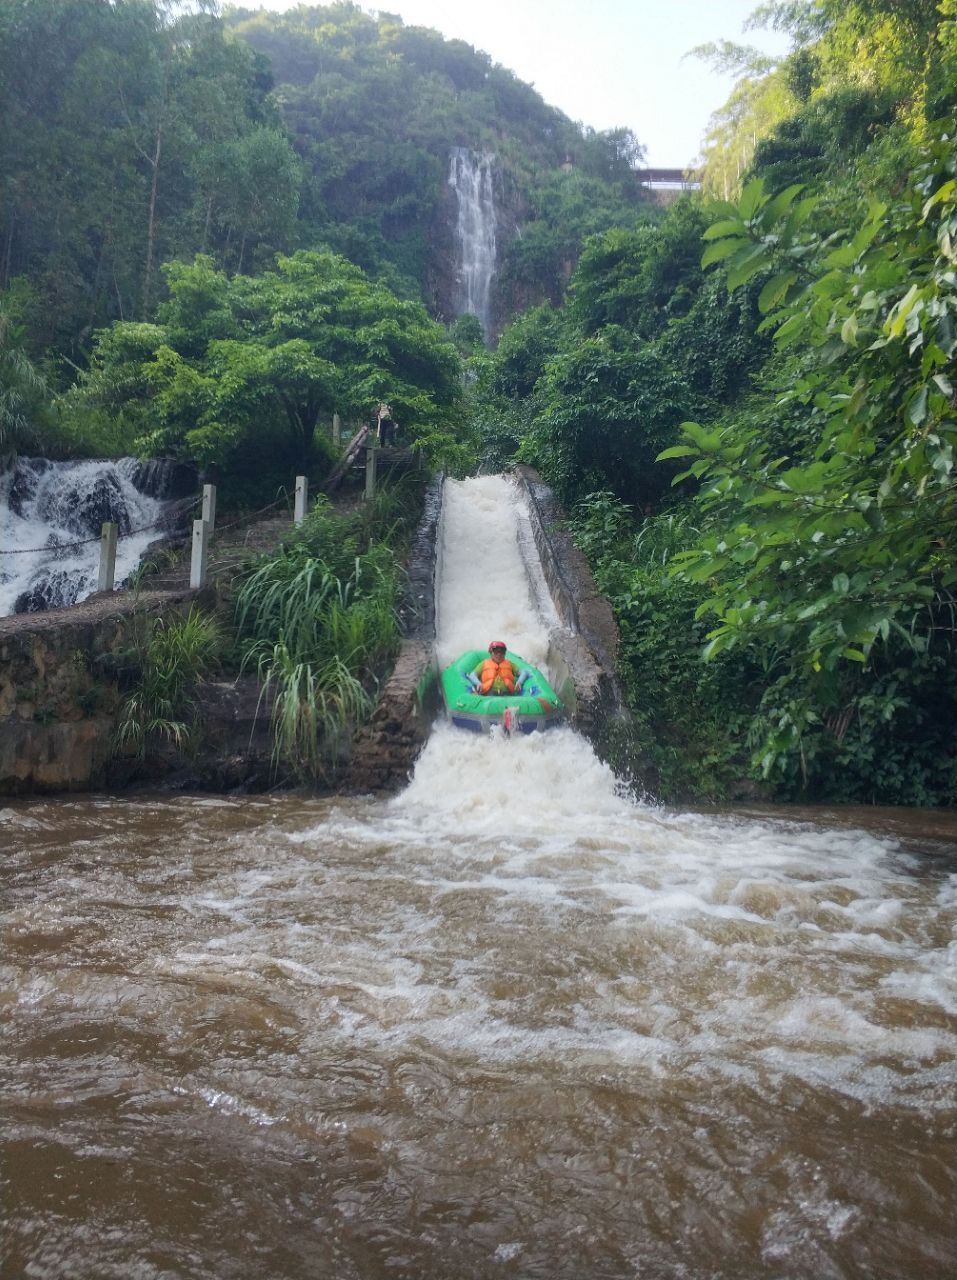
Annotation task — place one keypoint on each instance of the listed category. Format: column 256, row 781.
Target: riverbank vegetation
column 316, row 623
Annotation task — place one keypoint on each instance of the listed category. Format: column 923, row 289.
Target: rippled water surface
column 436, row 1037
column 506, row 1024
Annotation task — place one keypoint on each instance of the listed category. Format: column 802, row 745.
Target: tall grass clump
column 318, row 624
column 172, row 655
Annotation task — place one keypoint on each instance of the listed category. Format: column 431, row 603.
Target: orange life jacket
column 494, row 673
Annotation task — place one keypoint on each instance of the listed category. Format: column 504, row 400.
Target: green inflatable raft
column 536, row 707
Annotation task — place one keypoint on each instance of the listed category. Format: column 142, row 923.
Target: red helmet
column 497, row 644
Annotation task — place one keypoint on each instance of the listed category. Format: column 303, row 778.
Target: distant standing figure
column 387, row 425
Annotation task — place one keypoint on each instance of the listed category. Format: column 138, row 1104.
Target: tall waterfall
column 51, row 515
column 471, row 177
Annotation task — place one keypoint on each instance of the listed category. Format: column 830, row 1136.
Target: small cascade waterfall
column 51, row 514
column 471, row 177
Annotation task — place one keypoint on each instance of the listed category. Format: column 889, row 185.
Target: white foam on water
column 483, row 587
column 699, row 942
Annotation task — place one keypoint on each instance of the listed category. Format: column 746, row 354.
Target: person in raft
column 495, row 674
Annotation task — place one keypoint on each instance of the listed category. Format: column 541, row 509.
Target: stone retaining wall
column 583, row 655
column 385, row 750
column 60, row 694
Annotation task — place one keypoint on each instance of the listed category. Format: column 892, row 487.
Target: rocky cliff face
column 457, row 240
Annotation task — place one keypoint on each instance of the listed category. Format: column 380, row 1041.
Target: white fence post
column 371, row 455
column 209, row 504
column 302, row 499
column 109, row 535
column 336, row 430
column 197, row 565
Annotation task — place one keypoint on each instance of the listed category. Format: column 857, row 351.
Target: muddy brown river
column 510, row 1023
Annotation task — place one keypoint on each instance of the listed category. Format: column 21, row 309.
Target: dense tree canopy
column 238, row 366
column 130, row 136
column 845, row 533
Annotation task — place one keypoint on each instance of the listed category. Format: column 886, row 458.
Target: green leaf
column 792, row 329
column 727, row 227
column 747, row 263
column 752, row 197
column 781, row 203
column 917, row 409
column 676, row 451
column 723, row 249
column 707, row 441
column 943, row 192
column 775, row 291
column 796, row 219
column 843, row 257
column 849, row 331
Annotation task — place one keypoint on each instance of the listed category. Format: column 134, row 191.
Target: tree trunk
column 208, row 221
column 8, row 254
column 151, row 228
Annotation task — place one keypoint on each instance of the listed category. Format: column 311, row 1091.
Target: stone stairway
column 231, row 548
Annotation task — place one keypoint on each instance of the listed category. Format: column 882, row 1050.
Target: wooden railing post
column 336, row 430
column 371, row 456
column 109, row 536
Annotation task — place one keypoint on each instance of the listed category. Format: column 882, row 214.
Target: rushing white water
column 508, row 1023
column 472, row 178
column 51, row 515
column 487, row 573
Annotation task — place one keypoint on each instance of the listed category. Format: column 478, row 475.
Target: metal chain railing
column 82, row 542
column 203, row 528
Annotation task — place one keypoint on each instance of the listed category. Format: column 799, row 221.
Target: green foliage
column 129, row 135
column 314, row 707
column 171, row 656
column 642, row 278
column 24, row 396
column 883, row 734
column 500, row 397
column 859, row 70
column 689, row 719
column 568, row 207
column 839, row 544
column 318, row 623
column 253, row 363
column 853, row 530
column 607, row 407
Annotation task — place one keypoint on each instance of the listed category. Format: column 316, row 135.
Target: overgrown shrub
column 172, row 655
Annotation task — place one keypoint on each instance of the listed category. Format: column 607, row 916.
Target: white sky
column 607, row 63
